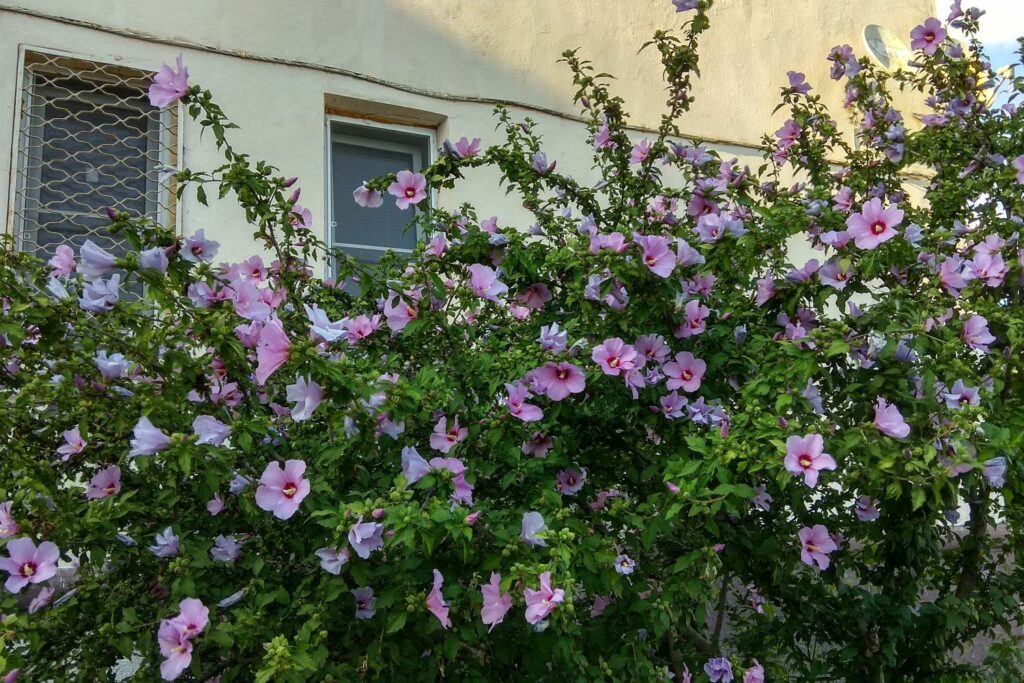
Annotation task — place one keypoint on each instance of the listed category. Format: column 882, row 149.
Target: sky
column 1001, row 25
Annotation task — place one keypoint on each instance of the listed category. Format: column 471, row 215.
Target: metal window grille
column 89, row 139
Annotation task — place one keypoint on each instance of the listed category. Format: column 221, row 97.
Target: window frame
column 169, row 138
column 331, row 136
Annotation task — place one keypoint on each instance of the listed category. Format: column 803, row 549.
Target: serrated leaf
column 917, row 498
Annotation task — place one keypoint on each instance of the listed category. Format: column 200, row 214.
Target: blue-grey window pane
column 73, row 230
column 386, row 226
column 90, row 159
column 93, row 158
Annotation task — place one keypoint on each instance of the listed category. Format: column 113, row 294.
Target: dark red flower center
column 805, row 461
column 28, row 569
column 878, row 227
column 289, row 489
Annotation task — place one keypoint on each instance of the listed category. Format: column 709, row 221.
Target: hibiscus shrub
column 639, row 438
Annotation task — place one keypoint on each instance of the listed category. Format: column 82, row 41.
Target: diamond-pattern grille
column 89, row 140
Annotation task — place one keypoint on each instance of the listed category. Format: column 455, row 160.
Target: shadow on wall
column 509, row 50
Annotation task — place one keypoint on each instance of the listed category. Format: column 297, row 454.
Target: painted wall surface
column 438, row 52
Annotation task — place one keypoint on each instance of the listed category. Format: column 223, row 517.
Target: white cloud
column 1003, row 21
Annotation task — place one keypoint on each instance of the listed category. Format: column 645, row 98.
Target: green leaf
column 837, row 348
column 396, row 622
column 917, row 498
column 185, row 461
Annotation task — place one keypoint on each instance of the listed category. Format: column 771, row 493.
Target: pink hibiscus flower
column 8, row 525
column 927, row 36
column 889, row 421
column 367, row 198
column 496, row 604
column 614, row 357
column 63, row 260
column 484, row 282
column 168, row 85
column 975, row 333
column 696, row 313
column 73, row 444
column 106, row 483
column 29, row 564
column 408, row 189
column 176, row 649
column 398, row 313
column 193, row 617
column 281, row 490
column 444, row 439
column 435, row 601
column 656, row 254
column 541, row 603
column 816, row 545
column 806, row 455
column 147, row 439
column 306, row 395
column 272, row 350
column 518, row 394
column 873, row 225
column 558, row 380
column 685, row 372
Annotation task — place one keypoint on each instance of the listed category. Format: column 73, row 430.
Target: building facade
column 336, row 91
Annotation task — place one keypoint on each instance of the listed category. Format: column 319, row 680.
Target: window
column 361, row 152
column 89, row 140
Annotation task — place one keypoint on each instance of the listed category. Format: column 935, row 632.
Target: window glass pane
column 73, row 230
column 89, row 159
column 368, row 255
column 92, row 159
column 386, row 226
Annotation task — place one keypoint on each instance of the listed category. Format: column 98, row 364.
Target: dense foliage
column 643, row 436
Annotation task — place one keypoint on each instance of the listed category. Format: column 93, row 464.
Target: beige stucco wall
column 480, row 48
